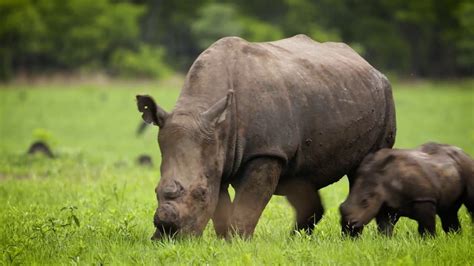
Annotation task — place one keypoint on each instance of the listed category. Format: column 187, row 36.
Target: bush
column 84, row 31
column 216, row 21
column 147, row 62
column 220, row 20
column 64, row 34
column 258, row 31
column 21, row 28
column 465, row 43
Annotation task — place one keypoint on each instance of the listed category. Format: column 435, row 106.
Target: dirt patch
column 40, row 147
column 145, row 160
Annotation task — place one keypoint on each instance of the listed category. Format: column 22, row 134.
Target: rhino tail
column 387, row 137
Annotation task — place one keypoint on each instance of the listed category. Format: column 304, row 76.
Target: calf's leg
column 256, row 186
column 450, row 221
column 470, row 209
column 469, row 201
column 468, row 176
column 425, row 214
column 386, row 220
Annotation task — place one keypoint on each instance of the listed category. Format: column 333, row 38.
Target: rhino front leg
column 221, row 217
column 307, row 203
column 386, row 220
column 255, row 188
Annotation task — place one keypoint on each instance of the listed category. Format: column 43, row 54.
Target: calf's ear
column 217, row 113
column 151, row 112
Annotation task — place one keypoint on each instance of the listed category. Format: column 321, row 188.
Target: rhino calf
column 419, row 183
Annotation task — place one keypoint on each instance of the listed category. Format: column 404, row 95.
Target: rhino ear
column 217, row 113
column 152, row 113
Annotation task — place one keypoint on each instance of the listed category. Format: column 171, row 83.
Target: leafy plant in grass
column 44, row 135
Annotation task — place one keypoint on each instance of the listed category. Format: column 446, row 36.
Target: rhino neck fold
column 234, row 150
column 233, row 154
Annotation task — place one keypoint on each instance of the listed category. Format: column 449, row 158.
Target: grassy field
column 94, row 205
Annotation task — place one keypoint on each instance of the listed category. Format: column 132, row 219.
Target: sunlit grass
column 94, row 205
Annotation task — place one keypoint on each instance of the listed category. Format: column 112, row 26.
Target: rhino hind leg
column 469, row 203
column 425, row 214
column 450, row 221
column 468, row 176
column 307, row 203
column 257, row 183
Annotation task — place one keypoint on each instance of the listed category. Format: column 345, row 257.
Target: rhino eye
column 364, row 203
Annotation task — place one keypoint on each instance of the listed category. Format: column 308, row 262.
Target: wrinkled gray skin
column 419, row 183
column 286, row 117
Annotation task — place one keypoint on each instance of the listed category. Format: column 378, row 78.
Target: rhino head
column 192, row 146
column 366, row 197
column 360, row 208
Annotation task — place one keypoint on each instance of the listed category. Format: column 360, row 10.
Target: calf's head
column 192, row 146
column 366, row 196
column 360, row 207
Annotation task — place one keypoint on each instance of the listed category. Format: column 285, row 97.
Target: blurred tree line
column 151, row 38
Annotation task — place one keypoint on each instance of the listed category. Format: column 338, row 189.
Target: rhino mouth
column 164, row 229
column 352, row 224
column 166, row 221
column 355, row 224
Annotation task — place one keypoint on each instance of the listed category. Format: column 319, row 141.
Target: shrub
column 146, row 62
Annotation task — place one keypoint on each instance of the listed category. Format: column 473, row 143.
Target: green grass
column 94, row 205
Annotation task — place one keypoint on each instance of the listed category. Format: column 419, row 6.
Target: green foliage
column 147, row 62
column 382, row 44
column 41, row 134
column 67, row 34
column 430, row 38
column 21, row 29
column 465, row 44
column 214, row 22
column 219, row 20
column 83, row 31
column 259, row 31
column 84, row 208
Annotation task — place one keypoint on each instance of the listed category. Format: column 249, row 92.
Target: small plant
column 12, row 253
column 56, row 226
column 44, row 135
column 72, row 217
column 126, row 225
column 76, row 257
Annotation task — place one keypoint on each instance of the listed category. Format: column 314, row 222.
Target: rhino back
column 319, row 107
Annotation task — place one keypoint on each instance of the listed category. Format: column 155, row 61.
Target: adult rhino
column 286, row 117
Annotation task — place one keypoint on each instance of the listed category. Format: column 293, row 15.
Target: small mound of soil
column 145, row 160
column 40, row 147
